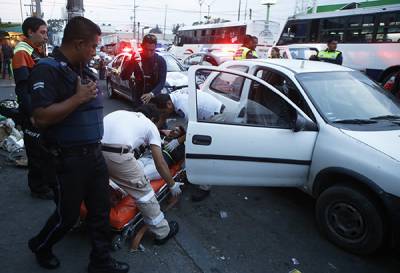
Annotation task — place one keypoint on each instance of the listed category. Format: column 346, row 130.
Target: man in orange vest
column 26, row 54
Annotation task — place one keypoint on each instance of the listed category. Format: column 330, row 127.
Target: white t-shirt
column 207, row 104
column 130, row 128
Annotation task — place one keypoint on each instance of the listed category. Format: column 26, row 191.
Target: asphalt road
column 262, row 231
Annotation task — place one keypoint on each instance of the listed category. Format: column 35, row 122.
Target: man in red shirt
column 26, row 54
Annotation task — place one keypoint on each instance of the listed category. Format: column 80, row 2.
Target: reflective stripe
column 154, row 221
column 147, row 197
column 23, row 46
column 241, row 53
column 331, row 55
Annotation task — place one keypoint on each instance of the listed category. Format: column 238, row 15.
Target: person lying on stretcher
column 124, row 133
column 171, row 156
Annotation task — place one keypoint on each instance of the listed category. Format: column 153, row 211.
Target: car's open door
column 257, row 137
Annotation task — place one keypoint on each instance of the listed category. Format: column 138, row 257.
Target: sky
column 152, row 12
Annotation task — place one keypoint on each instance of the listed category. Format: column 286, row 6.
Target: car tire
column 110, row 90
column 351, row 219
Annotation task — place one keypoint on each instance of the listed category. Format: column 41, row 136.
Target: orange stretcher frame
column 125, row 217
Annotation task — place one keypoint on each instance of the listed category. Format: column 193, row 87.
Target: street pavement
column 237, row 229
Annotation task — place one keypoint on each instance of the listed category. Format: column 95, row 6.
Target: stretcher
column 125, row 218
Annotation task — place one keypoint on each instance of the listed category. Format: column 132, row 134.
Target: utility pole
column 250, row 14
column 165, row 21
column 138, row 33
column 201, row 2
column 240, row 5
column 134, row 19
column 245, row 11
column 22, row 14
column 38, row 9
column 75, row 8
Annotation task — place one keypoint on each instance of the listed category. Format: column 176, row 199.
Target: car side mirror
column 303, row 124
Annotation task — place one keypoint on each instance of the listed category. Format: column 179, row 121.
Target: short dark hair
column 80, row 28
column 150, row 39
column 276, row 49
column 248, row 39
column 33, row 24
column 161, row 100
column 150, row 111
column 331, row 40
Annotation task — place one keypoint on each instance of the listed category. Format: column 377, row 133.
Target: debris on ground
column 295, row 271
column 223, row 214
column 11, row 141
column 295, row 261
column 332, row 266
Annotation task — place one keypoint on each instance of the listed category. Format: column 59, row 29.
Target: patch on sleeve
column 38, row 85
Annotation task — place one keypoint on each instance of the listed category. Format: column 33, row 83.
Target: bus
column 368, row 37
column 223, row 36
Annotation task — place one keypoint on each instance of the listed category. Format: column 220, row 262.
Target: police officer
column 150, row 72
column 247, row 50
column 26, row 54
column 68, row 108
column 331, row 54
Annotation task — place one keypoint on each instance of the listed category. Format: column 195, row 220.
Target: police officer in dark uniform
column 150, row 72
column 67, row 106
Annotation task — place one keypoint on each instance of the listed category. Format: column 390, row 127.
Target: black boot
column 111, row 267
column 200, row 195
column 173, row 230
column 45, row 257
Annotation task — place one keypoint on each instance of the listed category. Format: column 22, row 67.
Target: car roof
column 296, row 66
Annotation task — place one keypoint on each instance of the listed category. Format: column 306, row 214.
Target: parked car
column 297, row 52
column 214, row 58
column 319, row 127
column 176, row 75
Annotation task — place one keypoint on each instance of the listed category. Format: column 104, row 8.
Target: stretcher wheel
column 117, row 242
column 135, row 244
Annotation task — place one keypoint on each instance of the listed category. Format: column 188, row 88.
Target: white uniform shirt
column 130, row 128
column 207, row 105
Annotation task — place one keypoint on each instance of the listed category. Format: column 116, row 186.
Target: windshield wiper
column 355, row 121
column 387, row 117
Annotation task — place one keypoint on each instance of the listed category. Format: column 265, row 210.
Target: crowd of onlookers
column 6, row 54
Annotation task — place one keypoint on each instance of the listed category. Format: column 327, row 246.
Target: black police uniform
column 75, row 158
column 150, row 76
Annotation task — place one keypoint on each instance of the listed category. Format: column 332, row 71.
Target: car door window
column 229, row 85
column 286, row 86
column 258, row 106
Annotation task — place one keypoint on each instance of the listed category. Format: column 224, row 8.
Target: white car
column 323, row 128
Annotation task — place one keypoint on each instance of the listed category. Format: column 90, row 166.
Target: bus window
column 314, row 31
column 389, row 28
column 294, row 32
column 360, row 29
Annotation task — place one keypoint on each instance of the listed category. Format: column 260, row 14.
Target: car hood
column 387, row 142
column 176, row 79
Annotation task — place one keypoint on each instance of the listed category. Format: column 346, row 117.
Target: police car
column 323, row 128
column 176, row 75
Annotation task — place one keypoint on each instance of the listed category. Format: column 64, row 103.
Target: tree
column 155, row 30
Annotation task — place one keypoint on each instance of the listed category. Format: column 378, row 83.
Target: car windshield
column 346, row 96
column 172, row 64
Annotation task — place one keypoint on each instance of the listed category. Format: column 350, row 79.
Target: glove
column 176, row 189
column 172, row 145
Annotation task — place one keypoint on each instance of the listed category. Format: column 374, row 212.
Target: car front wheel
column 351, row 219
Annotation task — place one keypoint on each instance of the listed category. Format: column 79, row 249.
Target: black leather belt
column 119, row 150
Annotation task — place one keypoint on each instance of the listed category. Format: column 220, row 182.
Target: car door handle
column 201, row 140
